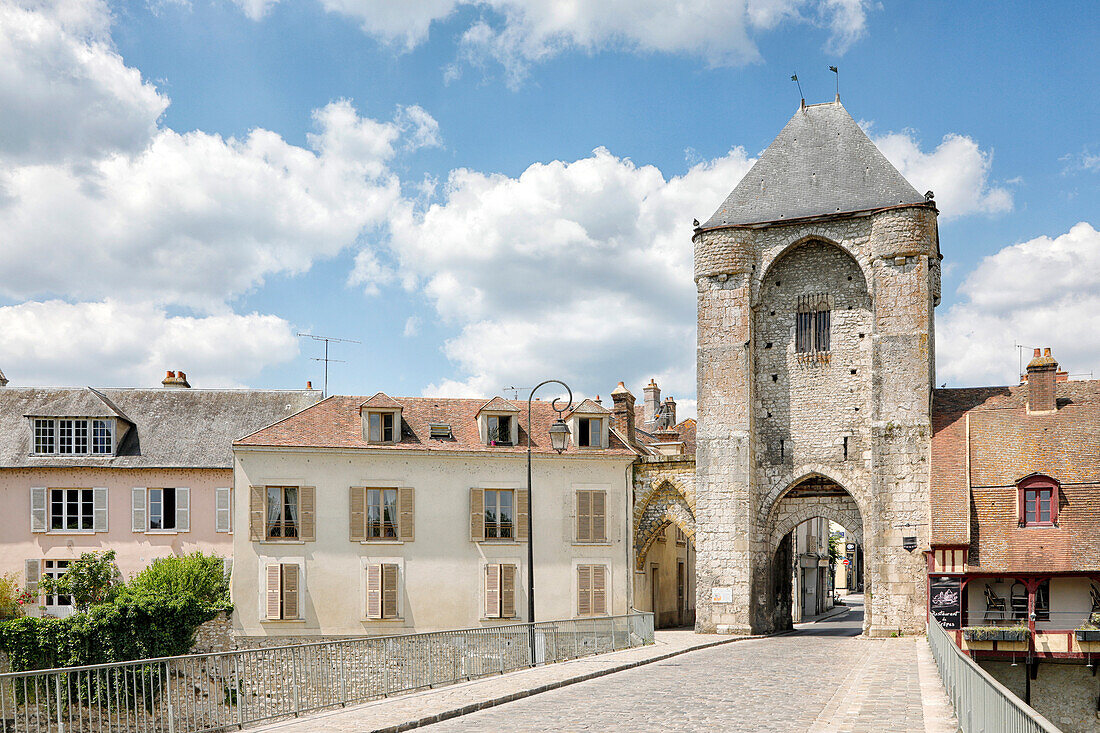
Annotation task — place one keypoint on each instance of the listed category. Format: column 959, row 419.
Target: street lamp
column 559, row 434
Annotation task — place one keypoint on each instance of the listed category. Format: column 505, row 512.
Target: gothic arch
column 785, row 511
column 834, row 511
column 797, row 476
column 769, row 265
column 665, row 505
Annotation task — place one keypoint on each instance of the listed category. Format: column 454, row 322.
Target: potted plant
column 995, row 633
column 1090, row 630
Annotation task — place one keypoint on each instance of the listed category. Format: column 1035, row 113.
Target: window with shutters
column 591, row 515
column 499, row 514
column 56, row 605
column 590, row 432
column 73, row 436
column 283, row 591
column 381, row 514
column 591, row 590
column 162, row 509
column 812, row 323
column 500, row 590
column 282, row 512
column 383, row 590
column 72, row 510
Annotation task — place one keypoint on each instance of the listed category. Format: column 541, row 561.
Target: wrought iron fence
column 221, row 691
column 982, row 704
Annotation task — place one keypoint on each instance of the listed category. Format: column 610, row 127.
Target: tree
column 90, row 580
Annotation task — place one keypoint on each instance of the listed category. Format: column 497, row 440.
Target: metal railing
column 982, row 704
column 221, row 691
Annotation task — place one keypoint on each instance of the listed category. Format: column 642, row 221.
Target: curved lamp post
column 559, row 434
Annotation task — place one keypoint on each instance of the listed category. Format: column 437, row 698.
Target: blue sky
column 189, row 184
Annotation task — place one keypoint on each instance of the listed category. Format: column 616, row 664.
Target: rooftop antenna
column 515, row 391
column 794, row 78
column 834, row 70
column 327, row 340
column 1021, row 349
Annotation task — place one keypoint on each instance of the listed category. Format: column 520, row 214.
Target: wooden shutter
column 477, row 515
column 257, row 500
column 357, row 513
column 38, row 510
column 508, row 591
column 99, row 509
column 521, row 514
column 584, row 516
column 183, row 510
column 223, row 510
column 584, row 590
column 492, row 591
column 374, row 591
column 307, row 509
column 32, row 573
column 274, row 591
column 137, row 509
column 406, row 502
column 599, row 516
column 227, row 566
column 290, row 591
column 389, row 590
column 599, row 589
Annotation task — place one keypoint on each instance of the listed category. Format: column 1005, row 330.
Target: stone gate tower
column 817, row 280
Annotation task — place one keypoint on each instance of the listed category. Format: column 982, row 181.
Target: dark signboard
column 909, row 543
column 946, row 600
column 850, row 547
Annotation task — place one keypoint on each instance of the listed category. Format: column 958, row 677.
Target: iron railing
column 982, row 704
column 229, row 690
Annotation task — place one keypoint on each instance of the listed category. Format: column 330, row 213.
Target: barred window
column 812, row 323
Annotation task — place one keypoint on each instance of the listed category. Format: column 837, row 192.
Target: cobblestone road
column 821, row 678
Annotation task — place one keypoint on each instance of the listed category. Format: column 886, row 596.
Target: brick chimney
column 652, row 400
column 670, row 409
column 1042, row 373
column 175, row 380
column 622, row 413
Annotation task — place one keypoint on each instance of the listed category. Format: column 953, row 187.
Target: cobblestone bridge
column 822, row 677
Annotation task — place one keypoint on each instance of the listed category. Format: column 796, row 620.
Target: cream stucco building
column 382, row 516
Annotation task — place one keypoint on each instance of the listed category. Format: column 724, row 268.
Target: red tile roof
column 336, row 423
column 498, row 404
column 1005, row 445
column 381, row 400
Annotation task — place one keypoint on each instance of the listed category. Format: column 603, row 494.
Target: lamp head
column 559, row 434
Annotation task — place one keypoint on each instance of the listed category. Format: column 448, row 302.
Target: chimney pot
column 1042, row 374
column 1046, row 351
column 1038, row 352
column 309, row 384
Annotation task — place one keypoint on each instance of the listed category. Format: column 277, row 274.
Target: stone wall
column 664, row 492
column 858, row 414
column 1065, row 694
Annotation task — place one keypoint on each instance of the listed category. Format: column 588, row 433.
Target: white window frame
column 485, row 506
column 60, row 610
column 65, row 510
column 51, row 429
column 395, row 426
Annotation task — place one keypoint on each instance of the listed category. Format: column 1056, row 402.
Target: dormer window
column 500, row 429
column 74, row 436
column 380, row 427
column 1037, row 500
column 590, row 432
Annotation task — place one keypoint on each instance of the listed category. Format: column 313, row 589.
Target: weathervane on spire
column 794, row 78
column 834, row 70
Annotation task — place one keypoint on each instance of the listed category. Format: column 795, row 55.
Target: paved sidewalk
column 422, row 708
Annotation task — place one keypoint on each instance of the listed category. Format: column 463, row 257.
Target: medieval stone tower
column 817, row 280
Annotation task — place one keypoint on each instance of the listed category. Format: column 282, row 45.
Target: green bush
column 90, row 580
column 154, row 615
column 11, row 596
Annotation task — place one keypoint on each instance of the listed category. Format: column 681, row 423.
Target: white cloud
column 581, row 271
column 1043, row 292
column 957, row 171
column 1083, row 161
column 516, row 33
column 412, row 326
column 65, row 92
column 111, row 343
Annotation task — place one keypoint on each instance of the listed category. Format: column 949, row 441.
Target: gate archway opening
column 810, row 530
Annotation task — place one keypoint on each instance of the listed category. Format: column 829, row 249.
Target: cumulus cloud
column 516, row 33
column 580, row 270
column 957, row 171
column 112, row 343
column 65, row 92
column 1043, row 292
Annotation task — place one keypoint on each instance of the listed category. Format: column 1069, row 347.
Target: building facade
column 144, row 472
column 817, row 279
column 380, row 516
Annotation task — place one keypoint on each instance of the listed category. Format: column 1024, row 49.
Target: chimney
column 652, row 400
column 175, row 380
column 309, row 384
column 622, row 414
column 670, row 410
column 598, row 401
column 1041, row 374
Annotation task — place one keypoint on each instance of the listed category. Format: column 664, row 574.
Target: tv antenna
column 1021, row 349
column 327, row 340
column 515, row 391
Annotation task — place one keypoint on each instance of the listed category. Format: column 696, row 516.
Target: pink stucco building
column 145, row 472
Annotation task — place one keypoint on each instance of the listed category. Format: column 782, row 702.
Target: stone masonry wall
column 664, row 490
column 764, row 427
column 1064, row 694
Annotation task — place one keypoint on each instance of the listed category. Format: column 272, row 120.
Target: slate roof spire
column 821, row 163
